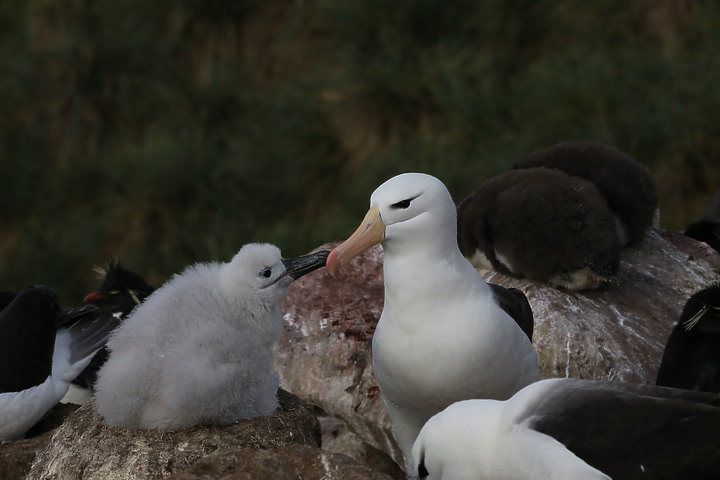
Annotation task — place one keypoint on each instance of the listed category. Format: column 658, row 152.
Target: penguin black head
column 702, row 311
column 691, row 359
column 121, row 290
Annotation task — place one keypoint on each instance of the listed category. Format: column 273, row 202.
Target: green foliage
column 165, row 133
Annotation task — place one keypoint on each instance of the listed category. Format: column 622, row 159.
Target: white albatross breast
column 442, row 336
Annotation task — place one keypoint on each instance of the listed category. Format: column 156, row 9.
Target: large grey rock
column 291, row 462
column 619, row 333
column 616, row 333
column 84, row 448
column 325, row 355
column 339, row 438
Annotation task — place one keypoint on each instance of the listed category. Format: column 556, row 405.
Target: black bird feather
column 691, row 359
column 120, row 292
column 624, row 182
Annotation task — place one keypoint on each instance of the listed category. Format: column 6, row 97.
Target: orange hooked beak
column 94, row 297
column 370, row 232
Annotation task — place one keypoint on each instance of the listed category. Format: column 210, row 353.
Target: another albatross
column 572, row 429
column 199, row 349
column 42, row 349
column 442, row 335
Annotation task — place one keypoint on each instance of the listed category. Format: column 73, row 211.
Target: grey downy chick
column 199, row 349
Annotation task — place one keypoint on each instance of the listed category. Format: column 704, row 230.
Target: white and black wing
column 631, row 431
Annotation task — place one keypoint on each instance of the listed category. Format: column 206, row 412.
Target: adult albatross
column 442, row 336
column 42, row 349
column 566, row 428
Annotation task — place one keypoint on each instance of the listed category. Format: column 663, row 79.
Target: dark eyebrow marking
column 403, row 204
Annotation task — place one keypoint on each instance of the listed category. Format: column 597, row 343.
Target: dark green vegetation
column 168, row 132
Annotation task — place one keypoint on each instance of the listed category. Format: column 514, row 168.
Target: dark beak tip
column 323, row 256
column 300, row 266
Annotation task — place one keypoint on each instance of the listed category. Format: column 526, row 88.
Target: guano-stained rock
column 326, row 355
column 84, row 448
column 617, row 333
column 17, row 457
column 291, row 462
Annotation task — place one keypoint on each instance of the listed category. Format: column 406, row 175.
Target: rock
column 338, row 438
column 84, row 448
column 16, row 458
column 325, row 355
column 619, row 332
column 616, row 333
column 293, row 461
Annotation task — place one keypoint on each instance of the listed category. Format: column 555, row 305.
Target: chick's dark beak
column 298, row 266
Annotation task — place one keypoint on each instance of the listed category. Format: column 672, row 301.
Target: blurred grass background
column 169, row 132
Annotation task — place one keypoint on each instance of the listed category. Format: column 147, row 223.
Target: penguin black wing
column 120, row 292
column 89, row 328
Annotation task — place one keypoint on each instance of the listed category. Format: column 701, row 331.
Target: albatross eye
column 266, row 273
column 402, row 205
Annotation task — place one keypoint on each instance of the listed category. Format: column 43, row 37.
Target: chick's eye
column 402, row 205
column 266, row 273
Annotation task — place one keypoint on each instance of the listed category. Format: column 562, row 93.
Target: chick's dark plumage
column 625, row 183
column 541, row 224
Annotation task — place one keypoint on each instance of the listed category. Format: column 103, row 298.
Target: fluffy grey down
column 199, row 349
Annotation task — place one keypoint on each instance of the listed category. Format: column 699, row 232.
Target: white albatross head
column 258, row 271
column 483, row 438
column 450, row 445
column 411, row 207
